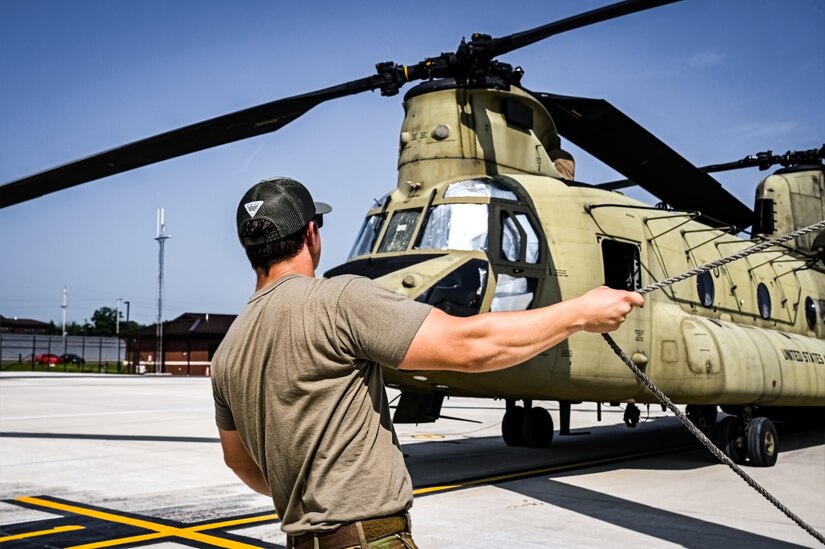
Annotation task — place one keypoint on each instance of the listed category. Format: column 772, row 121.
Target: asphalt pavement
column 98, row 461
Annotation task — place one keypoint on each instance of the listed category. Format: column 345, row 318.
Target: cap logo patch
column 253, row 207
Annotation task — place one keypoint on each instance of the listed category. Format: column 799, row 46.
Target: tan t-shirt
column 299, row 376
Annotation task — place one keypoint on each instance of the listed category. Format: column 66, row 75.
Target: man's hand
column 603, row 309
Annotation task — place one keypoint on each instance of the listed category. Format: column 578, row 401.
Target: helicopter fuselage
column 482, row 221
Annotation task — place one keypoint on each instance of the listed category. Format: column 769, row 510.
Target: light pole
column 117, row 331
column 127, row 327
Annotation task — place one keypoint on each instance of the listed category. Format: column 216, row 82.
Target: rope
column 670, row 406
column 725, row 260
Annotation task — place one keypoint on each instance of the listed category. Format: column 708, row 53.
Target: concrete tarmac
column 92, row 461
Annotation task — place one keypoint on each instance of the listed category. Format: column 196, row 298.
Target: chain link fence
column 93, row 351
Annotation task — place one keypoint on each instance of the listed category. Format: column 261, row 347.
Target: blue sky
column 716, row 80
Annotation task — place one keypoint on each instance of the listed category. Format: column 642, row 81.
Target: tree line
column 102, row 323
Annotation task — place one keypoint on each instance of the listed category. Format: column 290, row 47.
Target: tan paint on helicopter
column 480, row 140
column 722, row 354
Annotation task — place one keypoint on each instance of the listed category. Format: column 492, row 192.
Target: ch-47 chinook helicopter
column 482, row 220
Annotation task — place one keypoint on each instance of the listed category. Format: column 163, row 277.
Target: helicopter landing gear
column 744, row 438
column 701, row 415
column 730, row 439
column 526, row 426
column 511, row 424
column 632, row 415
column 762, row 442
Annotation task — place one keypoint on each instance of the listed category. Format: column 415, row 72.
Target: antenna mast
column 161, row 238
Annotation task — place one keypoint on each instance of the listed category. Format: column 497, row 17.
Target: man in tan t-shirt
column 299, row 396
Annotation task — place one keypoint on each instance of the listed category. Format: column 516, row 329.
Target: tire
column 538, row 428
column 727, row 439
column 511, row 426
column 763, row 447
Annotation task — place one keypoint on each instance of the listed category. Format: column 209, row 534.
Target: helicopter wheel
column 762, row 442
column 538, row 428
column 701, row 415
column 730, row 439
column 512, row 426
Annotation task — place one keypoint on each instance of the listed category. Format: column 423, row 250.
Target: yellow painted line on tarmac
column 119, row 541
column 156, row 535
column 160, row 530
column 432, row 489
column 233, row 522
column 56, row 530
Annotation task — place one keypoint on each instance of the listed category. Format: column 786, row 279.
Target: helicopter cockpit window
column 367, row 235
column 513, row 293
column 479, row 188
column 514, row 229
column 399, row 231
column 455, row 227
column 510, row 239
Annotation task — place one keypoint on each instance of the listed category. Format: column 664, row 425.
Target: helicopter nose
column 459, row 292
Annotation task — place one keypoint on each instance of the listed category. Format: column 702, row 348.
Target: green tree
column 126, row 326
column 104, row 321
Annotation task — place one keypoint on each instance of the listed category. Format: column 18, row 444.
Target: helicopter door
column 622, row 263
column 517, row 256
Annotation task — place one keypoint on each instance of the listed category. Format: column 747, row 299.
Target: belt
column 348, row 535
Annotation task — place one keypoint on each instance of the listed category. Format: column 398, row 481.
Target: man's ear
column 312, row 233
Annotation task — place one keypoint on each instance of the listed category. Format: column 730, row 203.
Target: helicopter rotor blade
column 611, row 136
column 221, row 130
column 518, row 40
column 271, row 116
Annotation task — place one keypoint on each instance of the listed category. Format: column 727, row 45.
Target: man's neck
column 297, row 265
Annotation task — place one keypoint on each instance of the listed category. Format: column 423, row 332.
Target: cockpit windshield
column 367, row 235
column 448, row 226
column 475, row 188
column 456, row 227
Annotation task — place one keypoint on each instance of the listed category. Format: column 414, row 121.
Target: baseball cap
column 282, row 201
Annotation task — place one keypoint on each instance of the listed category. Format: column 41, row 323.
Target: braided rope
column 670, row 406
column 734, row 257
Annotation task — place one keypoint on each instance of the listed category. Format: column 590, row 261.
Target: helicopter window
column 456, row 227
column 622, row 267
column 516, row 228
column 475, row 188
column 532, row 238
column 763, row 300
column 513, row 294
column 510, row 238
column 810, row 312
column 367, row 235
column 706, row 289
column 460, row 292
column 399, row 231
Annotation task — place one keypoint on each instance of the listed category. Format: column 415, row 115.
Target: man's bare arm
column 238, row 459
column 493, row 341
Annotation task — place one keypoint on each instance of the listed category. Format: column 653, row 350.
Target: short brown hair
column 263, row 256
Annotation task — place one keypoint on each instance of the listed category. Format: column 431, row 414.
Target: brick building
column 23, row 326
column 189, row 341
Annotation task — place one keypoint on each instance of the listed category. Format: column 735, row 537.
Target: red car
column 47, row 358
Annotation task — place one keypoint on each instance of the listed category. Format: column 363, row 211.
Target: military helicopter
column 483, row 219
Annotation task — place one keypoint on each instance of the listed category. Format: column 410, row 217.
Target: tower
column 161, row 238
